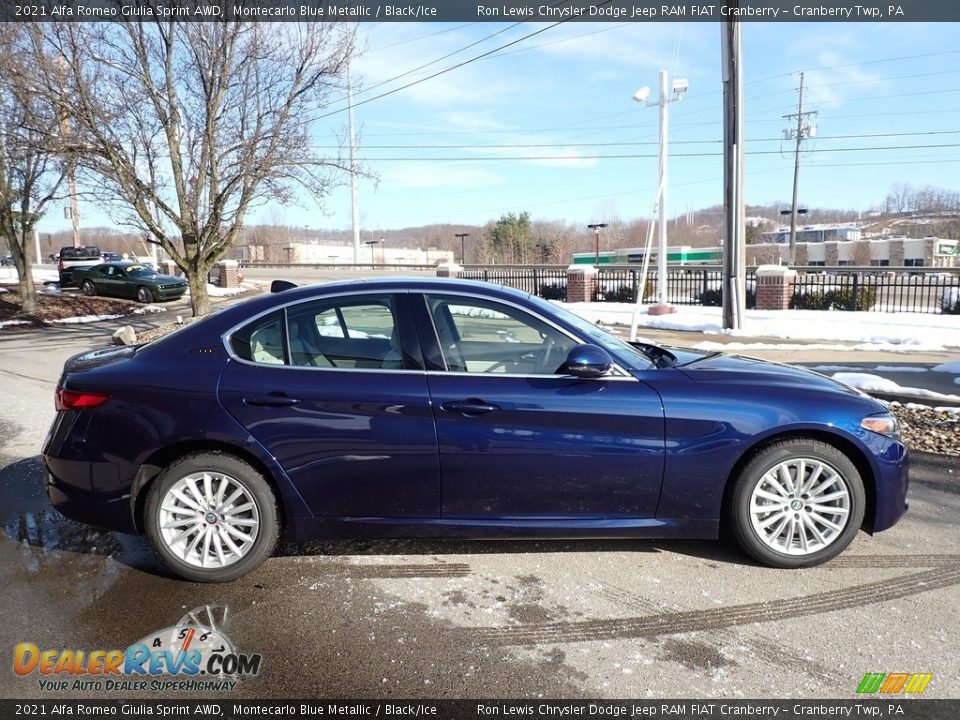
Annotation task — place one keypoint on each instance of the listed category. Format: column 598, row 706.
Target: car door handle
column 471, row 406
column 272, row 400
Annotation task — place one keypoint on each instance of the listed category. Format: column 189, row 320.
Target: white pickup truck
column 76, row 257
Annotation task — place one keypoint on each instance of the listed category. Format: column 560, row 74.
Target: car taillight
column 71, row 400
column 60, row 265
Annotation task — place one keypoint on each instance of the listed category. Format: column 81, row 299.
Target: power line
column 457, row 66
column 632, row 156
column 626, row 143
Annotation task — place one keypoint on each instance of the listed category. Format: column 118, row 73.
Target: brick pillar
column 896, row 252
column 169, row 267
column 775, row 287
column 831, row 254
column 581, row 283
column 449, row 270
column 229, row 273
column 801, row 256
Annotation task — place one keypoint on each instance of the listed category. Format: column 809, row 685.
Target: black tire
column 259, row 493
column 144, row 294
column 749, row 538
column 88, row 288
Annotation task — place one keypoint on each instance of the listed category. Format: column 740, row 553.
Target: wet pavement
column 483, row 619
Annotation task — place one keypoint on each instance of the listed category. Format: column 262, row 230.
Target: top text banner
column 485, row 10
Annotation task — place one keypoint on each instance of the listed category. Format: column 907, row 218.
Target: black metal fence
column 935, row 291
column 927, row 290
column 549, row 282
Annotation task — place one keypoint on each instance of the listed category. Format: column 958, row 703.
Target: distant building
column 842, row 232
column 882, row 252
column 680, row 255
column 312, row 253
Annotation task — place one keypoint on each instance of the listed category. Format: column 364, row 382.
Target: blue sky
column 527, row 124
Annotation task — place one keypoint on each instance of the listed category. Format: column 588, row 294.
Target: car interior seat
column 266, row 344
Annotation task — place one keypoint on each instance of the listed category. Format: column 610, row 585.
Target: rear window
column 72, row 253
column 261, row 341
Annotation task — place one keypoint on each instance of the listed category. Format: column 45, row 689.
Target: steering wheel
column 545, row 366
column 502, row 364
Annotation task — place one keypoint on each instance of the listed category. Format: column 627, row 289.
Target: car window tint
column 261, row 341
column 349, row 333
column 488, row 337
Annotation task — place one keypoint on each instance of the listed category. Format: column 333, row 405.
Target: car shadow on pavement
column 718, row 552
column 29, row 519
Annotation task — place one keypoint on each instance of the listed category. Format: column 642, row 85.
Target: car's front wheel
column 211, row 517
column 797, row 503
column 88, row 288
column 144, row 294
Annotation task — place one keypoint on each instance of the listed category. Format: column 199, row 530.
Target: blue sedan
column 421, row 407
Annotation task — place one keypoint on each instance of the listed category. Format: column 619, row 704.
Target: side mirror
column 588, row 361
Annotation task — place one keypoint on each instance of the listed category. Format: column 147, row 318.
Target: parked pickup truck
column 76, row 257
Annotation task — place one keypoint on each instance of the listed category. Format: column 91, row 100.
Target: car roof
column 402, row 283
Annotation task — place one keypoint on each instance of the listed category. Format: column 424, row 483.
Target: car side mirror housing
column 588, row 361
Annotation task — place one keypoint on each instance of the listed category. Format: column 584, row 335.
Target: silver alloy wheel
column 800, row 506
column 209, row 520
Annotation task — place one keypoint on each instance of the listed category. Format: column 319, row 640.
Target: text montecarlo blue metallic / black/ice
column 430, row 407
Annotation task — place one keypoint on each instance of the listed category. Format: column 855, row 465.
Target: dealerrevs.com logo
column 893, row 683
column 179, row 658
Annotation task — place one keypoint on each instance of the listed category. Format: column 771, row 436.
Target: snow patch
column 950, row 366
column 146, row 309
column 5, row 323
column 875, row 383
column 83, row 319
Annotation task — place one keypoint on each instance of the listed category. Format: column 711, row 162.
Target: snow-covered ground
column 903, row 332
column 874, row 383
column 9, row 276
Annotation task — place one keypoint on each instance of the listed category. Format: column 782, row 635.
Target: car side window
column 481, row 336
column 261, row 341
column 346, row 333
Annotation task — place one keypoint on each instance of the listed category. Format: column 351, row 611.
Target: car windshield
column 140, row 271
column 599, row 336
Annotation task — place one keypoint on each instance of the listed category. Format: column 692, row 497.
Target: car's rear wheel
column 797, row 503
column 144, row 294
column 211, row 517
column 88, row 288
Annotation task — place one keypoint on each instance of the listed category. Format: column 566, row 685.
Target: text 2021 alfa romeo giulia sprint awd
column 422, row 407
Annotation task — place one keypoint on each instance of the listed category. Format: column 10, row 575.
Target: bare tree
column 181, row 128
column 30, row 173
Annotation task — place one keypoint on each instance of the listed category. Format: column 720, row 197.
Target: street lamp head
column 680, row 85
column 642, row 94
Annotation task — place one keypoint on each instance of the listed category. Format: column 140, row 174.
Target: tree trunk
column 22, row 251
column 199, row 298
column 28, row 293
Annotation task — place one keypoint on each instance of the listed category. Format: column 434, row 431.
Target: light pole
column 373, row 244
column 463, row 257
column 596, row 240
column 663, row 102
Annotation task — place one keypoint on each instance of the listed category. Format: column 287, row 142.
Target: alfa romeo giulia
column 432, row 407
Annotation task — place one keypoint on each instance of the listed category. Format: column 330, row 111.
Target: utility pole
column 802, row 132
column 463, row 257
column 596, row 240
column 354, row 198
column 734, row 240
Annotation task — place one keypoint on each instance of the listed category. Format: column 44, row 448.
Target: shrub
column 553, row 291
column 834, row 299
column 950, row 302
column 622, row 294
column 714, row 298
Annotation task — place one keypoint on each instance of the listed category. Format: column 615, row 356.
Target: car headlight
column 884, row 424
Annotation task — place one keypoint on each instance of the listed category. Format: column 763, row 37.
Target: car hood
column 741, row 370
column 167, row 279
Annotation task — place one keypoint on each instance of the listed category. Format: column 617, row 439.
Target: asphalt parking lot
column 483, row 619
